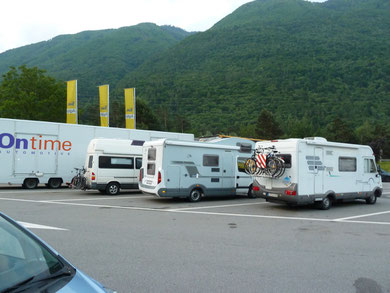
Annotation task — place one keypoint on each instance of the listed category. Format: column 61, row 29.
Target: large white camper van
column 33, row 152
column 196, row 169
column 321, row 172
column 112, row 164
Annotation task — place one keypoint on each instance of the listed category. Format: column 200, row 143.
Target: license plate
column 149, row 182
column 273, row 194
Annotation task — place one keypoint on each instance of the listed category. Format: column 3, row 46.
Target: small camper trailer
column 321, row 172
column 196, row 169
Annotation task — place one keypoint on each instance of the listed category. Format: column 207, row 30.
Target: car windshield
column 23, row 258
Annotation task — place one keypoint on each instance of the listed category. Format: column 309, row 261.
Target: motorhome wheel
column 112, row 188
column 195, row 195
column 251, row 194
column 371, row 199
column 325, row 204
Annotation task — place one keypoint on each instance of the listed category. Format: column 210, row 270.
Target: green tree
column 267, row 127
column 339, row 130
column 27, row 93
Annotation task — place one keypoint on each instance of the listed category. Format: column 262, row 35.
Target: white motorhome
column 112, row 164
column 196, row 169
column 33, row 152
column 321, row 172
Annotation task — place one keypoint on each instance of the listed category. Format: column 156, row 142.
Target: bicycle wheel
column 72, row 182
column 272, row 166
column 281, row 167
column 250, row 166
column 83, row 183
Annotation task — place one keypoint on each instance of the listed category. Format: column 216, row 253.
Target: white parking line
column 220, row 206
column 100, row 198
column 37, row 226
column 362, row 216
column 340, row 220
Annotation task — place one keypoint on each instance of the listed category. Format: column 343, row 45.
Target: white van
column 196, row 169
column 112, row 164
column 321, row 172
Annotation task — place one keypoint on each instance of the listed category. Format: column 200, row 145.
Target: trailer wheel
column 54, row 183
column 325, row 204
column 251, row 194
column 371, row 199
column 30, row 183
column 112, row 188
column 195, row 195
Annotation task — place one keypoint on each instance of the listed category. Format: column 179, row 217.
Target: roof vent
column 316, row 138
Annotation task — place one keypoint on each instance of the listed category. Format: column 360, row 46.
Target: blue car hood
column 82, row 283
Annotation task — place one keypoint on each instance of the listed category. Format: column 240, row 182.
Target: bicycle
column 265, row 162
column 79, row 181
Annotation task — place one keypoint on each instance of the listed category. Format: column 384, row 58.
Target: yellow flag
column 130, row 108
column 104, row 105
column 71, row 102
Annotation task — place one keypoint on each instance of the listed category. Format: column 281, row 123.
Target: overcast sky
column 24, row 22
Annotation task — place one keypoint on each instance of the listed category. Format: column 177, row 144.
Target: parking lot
column 139, row 243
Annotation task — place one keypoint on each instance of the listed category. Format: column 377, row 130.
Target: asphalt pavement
column 139, row 243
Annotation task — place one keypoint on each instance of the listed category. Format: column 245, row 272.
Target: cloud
column 24, row 21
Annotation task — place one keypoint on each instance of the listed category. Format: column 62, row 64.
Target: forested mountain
column 315, row 66
column 95, row 57
column 297, row 59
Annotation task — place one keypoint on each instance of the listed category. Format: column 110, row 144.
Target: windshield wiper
column 24, row 285
column 61, row 274
column 18, row 285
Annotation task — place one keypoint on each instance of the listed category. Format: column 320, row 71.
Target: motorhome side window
column 90, row 160
column 241, row 164
column 151, row 154
column 347, row 164
column 369, row 166
column 286, row 158
column 210, row 160
column 245, row 147
column 106, row 162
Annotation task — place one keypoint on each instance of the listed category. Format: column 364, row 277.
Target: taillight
column 159, row 178
column 140, row 174
column 256, row 188
column 93, row 177
column 290, row 192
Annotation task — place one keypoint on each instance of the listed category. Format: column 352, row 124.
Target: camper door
column 172, row 175
column 317, row 168
column 228, row 170
column 369, row 174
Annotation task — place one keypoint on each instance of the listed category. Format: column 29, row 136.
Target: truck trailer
column 33, row 152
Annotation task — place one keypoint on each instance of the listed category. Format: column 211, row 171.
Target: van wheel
column 195, row 195
column 30, row 183
column 325, row 204
column 112, row 188
column 251, row 194
column 54, row 183
column 371, row 199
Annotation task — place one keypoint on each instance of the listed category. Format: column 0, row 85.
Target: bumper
column 283, row 195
